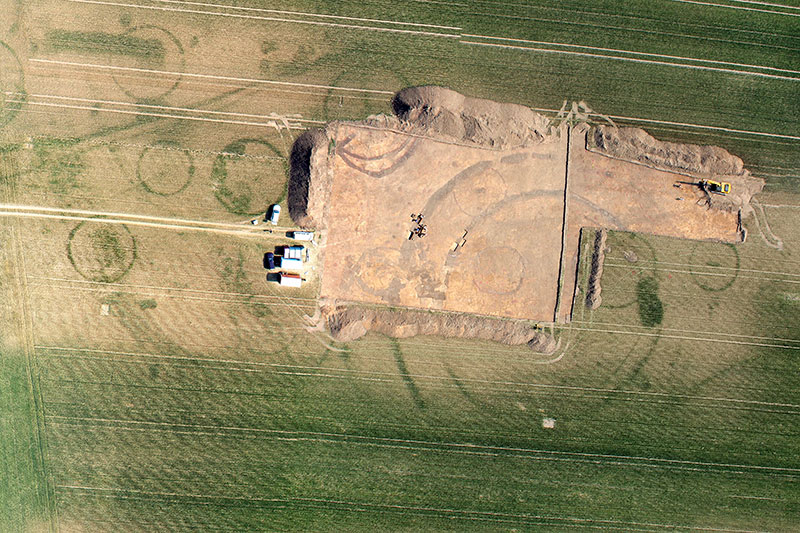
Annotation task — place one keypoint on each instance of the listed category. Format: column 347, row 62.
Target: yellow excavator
column 719, row 187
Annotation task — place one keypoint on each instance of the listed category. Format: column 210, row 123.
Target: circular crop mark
column 12, row 84
column 165, row 169
column 249, row 176
column 100, row 251
column 633, row 258
column 155, row 51
column 475, row 194
column 714, row 267
column 378, row 272
column 499, row 270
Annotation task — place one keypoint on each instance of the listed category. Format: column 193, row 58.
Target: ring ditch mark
column 244, row 165
column 628, row 249
column 380, row 163
column 724, row 281
column 172, row 61
column 499, row 270
column 12, row 84
column 101, row 252
column 379, row 272
column 474, row 194
column 165, row 169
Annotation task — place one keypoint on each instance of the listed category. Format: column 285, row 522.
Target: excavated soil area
column 347, row 323
column 504, row 192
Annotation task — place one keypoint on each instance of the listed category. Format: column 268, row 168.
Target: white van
column 275, row 214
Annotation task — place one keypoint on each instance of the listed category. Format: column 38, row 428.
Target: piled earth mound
column 445, row 113
column 347, row 323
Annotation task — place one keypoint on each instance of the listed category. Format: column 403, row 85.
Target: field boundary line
column 448, row 447
column 358, row 506
column 629, row 59
column 621, row 392
column 179, row 289
column 277, row 123
column 272, row 116
column 631, row 52
column 712, row 4
column 320, row 15
column 209, row 76
column 713, row 266
column 686, row 331
column 270, row 19
column 184, row 296
column 712, row 273
column 700, row 339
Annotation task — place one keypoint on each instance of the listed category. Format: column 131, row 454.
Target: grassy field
column 150, row 380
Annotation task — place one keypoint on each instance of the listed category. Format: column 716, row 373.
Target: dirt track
column 504, row 193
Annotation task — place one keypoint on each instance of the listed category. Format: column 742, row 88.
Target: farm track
column 13, row 210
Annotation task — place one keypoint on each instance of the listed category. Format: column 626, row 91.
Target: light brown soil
column 443, row 113
column 348, row 323
column 505, row 194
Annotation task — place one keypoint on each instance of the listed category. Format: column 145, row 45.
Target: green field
column 151, row 381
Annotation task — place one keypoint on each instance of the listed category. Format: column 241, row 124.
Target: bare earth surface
column 518, row 200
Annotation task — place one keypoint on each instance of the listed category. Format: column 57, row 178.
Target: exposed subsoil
column 347, row 323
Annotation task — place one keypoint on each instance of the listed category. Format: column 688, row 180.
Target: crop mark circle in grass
column 165, row 169
column 499, row 270
column 100, row 251
column 620, row 283
column 249, row 175
column 379, row 272
column 714, row 267
column 12, row 84
column 160, row 51
column 475, row 194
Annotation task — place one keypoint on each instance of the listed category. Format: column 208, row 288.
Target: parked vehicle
column 291, row 264
column 303, row 235
column 290, row 280
column 269, row 261
column 275, row 213
column 719, row 187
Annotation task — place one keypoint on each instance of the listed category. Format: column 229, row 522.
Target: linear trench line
column 663, row 56
column 270, row 19
column 632, row 60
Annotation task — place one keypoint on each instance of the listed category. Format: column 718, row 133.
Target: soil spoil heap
column 347, row 323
